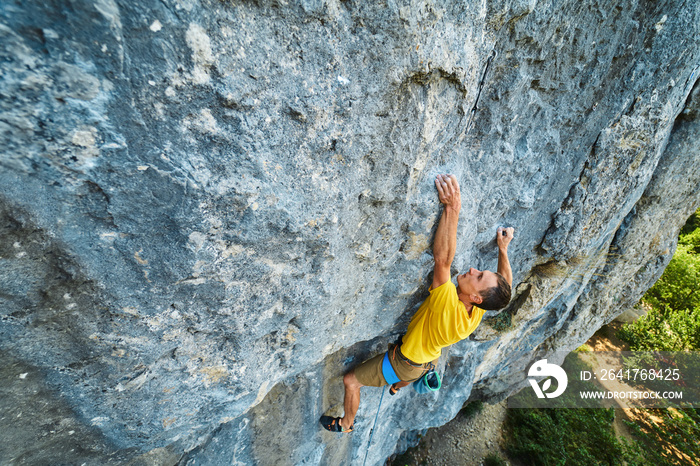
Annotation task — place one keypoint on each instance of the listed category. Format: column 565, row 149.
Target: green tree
column 673, row 322
column 586, row 436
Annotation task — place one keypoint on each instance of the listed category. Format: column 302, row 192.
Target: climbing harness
column 371, row 432
column 388, row 371
column 429, row 382
column 472, row 112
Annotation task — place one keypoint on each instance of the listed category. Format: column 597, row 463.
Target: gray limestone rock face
column 212, row 209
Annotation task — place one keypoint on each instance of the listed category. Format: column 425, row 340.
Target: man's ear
column 476, row 299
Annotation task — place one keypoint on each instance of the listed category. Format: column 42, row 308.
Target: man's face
column 475, row 281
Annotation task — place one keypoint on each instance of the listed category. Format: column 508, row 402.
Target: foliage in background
column 673, row 321
column 586, row 436
column 693, row 224
column 574, row 436
column 492, row 459
column 671, row 441
column 571, row 436
column 471, row 409
column 672, row 324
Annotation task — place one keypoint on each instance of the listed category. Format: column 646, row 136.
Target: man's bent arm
column 445, row 244
column 503, row 263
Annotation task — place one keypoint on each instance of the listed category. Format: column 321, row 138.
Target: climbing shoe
column 393, row 390
column 333, row 424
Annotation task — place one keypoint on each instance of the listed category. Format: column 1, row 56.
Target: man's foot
column 333, row 424
column 393, row 390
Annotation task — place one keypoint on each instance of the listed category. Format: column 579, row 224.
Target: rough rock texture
column 212, row 209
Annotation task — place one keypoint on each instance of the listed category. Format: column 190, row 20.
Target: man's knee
column 350, row 380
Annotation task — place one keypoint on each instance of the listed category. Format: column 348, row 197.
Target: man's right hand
column 503, row 240
column 448, row 191
column 504, row 237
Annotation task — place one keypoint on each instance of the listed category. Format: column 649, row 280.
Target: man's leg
column 369, row 373
column 351, row 402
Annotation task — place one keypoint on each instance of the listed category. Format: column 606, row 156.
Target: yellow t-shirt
column 441, row 321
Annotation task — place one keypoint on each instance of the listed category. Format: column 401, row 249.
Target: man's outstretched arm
column 445, row 244
column 503, row 240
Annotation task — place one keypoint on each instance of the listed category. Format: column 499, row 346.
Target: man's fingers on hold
column 439, row 187
column 455, row 184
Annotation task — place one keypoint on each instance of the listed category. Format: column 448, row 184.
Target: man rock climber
column 448, row 315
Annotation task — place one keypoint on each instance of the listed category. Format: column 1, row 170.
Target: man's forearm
column 445, row 244
column 504, row 265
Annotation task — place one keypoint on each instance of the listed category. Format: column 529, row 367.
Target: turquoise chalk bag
column 430, row 382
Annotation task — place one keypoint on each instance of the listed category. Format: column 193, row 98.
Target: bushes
column 582, row 437
column 677, row 289
column 567, row 436
column 664, row 331
column 586, row 436
column 674, row 440
column 673, row 322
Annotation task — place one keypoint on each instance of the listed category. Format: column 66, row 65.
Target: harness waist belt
column 388, row 371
